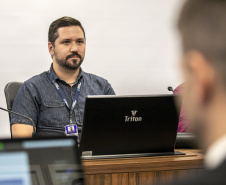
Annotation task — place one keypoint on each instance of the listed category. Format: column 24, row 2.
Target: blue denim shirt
column 38, row 99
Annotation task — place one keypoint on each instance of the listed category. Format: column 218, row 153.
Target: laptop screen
column 14, row 168
column 52, row 161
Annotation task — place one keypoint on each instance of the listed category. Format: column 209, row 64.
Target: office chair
column 11, row 90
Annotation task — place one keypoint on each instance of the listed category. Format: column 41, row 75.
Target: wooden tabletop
column 191, row 160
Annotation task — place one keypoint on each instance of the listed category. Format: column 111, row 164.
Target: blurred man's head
column 202, row 25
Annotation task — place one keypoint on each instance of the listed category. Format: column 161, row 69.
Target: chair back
column 11, row 90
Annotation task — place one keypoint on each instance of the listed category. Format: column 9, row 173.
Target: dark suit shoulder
column 205, row 177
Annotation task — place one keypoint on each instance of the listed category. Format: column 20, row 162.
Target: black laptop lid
column 50, row 161
column 129, row 124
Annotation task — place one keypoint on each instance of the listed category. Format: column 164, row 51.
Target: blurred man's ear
column 202, row 75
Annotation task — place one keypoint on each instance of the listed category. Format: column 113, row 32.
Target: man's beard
column 68, row 65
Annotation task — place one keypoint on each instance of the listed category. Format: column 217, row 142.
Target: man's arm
column 21, row 130
column 25, row 104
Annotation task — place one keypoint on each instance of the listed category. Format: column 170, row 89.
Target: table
column 142, row 170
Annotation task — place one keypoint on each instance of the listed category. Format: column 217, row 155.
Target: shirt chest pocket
column 54, row 113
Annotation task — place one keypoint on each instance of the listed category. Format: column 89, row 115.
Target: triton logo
column 133, row 118
column 134, row 112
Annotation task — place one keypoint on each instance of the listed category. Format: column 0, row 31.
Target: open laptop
column 44, row 161
column 129, row 126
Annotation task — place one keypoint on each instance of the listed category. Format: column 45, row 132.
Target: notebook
column 129, row 126
column 43, row 161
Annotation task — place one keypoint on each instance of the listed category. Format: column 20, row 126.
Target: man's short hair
column 202, row 24
column 62, row 22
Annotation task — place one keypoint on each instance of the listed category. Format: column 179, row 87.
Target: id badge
column 71, row 130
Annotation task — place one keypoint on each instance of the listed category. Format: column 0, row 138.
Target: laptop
column 129, row 126
column 14, row 168
column 45, row 161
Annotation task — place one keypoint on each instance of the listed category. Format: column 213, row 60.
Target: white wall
column 132, row 43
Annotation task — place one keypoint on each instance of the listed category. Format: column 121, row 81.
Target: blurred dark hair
column 202, row 24
column 62, row 22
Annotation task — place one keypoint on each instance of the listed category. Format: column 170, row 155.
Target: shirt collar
column 216, row 154
column 54, row 77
